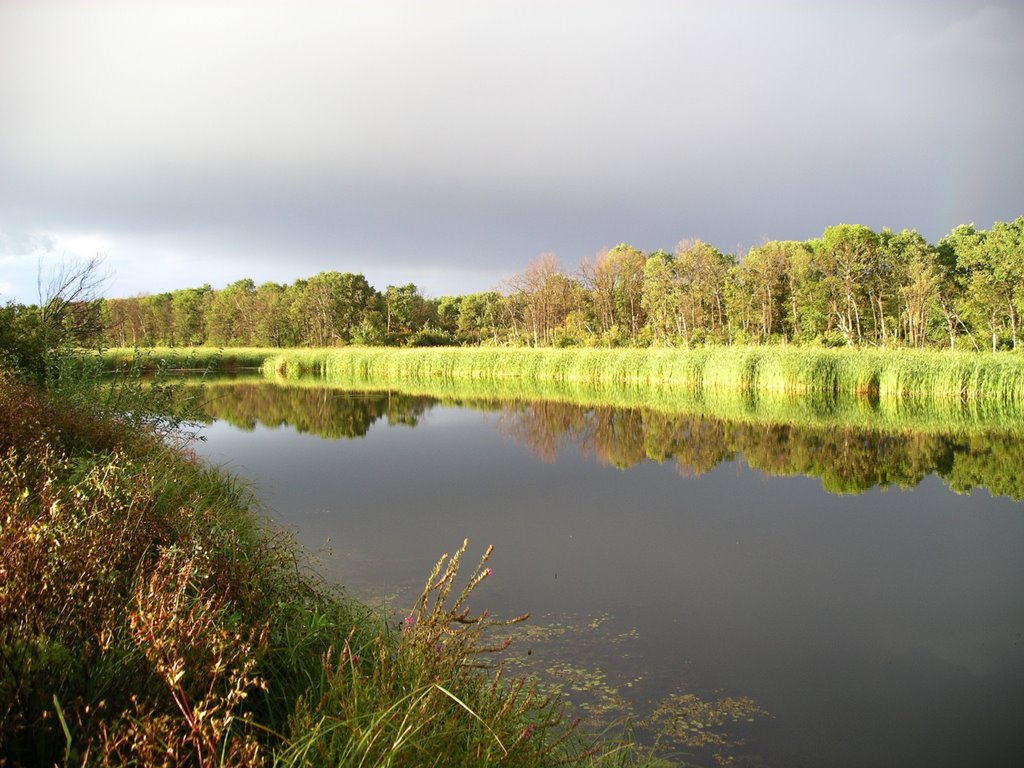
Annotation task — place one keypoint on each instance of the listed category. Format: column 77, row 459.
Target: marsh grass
column 818, row 373
column 147, row 618
column 891, row 375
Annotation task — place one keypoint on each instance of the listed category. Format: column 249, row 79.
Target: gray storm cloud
column 276, row 139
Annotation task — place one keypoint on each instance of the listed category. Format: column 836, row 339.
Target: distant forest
column 850, row 287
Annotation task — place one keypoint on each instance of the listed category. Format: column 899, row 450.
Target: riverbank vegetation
column 897, row 378
column 870, row 373
column 850, row 287
column 148, row 617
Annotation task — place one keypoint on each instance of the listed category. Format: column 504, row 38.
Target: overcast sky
column 449, row 142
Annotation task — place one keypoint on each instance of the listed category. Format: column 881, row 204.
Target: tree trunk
column 1013, row 324
column 881, row 316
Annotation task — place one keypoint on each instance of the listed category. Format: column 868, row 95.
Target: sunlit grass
column 898, row 374
column 908, row 375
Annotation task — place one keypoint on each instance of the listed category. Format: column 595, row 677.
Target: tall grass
column 886, row 375
column 909, row 375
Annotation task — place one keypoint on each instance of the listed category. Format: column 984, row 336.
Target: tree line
column 851, row 286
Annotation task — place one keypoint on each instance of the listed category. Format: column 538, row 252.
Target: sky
column 447, row 143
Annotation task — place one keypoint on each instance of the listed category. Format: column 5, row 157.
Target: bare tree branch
column 64, row 304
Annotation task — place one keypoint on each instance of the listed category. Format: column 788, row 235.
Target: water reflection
column 328, row 413
column 683, row 601
column 847, row 458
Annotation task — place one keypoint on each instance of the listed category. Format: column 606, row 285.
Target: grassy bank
column 895, row 375
column 146, row 617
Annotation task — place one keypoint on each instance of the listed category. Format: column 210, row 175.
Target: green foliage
column 428, row 336
column 23, row 343
column 850, row 287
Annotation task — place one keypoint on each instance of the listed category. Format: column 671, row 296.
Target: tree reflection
column 846, row 458
column 329, row 413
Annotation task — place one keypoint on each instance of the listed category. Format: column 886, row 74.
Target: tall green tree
column 984, row 299
column 330, row 306
column 615, row 280
column 160, row 313
column 405, row 311
column 191, row 309
column 702, row 274
column 480, row 318
column 916, row 280
column 1004, row 248
column 661, row 299
column 808, row 299
column 271, row 326
column 764, row 272
column 233, row 314
column 849, row 255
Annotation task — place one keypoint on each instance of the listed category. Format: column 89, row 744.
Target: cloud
column 474, row 135
column 21, row 245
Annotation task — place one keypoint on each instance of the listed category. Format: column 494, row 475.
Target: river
column 776, row 594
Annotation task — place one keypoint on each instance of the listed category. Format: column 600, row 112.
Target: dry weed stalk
column 206, row 661
column 433, row 623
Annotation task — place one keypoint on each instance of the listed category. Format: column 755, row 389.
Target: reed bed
column 908, row 376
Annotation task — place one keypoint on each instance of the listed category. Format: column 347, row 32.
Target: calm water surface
column 879, row 628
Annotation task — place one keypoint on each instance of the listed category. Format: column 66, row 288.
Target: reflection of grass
column 766, row 407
